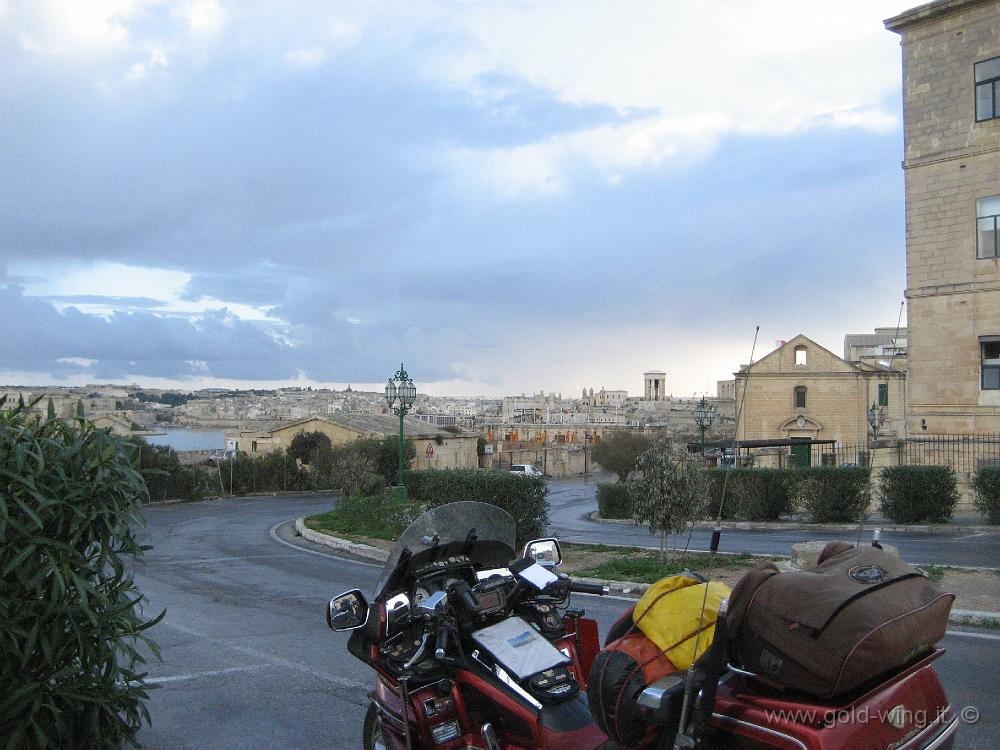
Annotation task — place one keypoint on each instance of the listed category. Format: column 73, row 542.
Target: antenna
column 871, row 452
column 684, row 739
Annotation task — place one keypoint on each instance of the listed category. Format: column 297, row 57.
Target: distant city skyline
column 507, row 197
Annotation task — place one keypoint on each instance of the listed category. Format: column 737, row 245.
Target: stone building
column 886, row 344
column 656, row 385
column 803, row 391
column 436, row 448
column 951, row 108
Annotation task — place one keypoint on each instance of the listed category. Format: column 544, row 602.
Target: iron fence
column 963, row 453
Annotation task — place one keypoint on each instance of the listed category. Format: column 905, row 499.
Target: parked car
column 528, row 470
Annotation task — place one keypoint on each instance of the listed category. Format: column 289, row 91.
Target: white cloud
column 156, row 58
column 64, row 27
column 164, row 287
column 204, row 16
column 305, row 59
column 706, row 71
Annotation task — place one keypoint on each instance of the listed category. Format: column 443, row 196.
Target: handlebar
column 441, row 644
column 579, row 587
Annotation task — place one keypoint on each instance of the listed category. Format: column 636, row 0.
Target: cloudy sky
column 507, row 196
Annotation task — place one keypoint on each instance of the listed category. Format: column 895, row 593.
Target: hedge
column 166, row 478
column 986, row 484
column 829, row 494
column 918, row 494
column 613, row 500
column 72, row 619
column 751, row 494
column 523, row 497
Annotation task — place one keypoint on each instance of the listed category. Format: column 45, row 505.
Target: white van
column 528, row 470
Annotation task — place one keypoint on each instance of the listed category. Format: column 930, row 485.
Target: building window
column 987, row 75
column 800, row 356
column 987, row 223
column 989, row 347
column 800, row 397
column 883, row 394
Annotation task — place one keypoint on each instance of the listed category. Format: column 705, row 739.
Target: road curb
column 797, row 526
column 344, row 545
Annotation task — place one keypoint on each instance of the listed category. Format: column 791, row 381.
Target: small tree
column 354, row 471
column 312, row 449
column 386, row 455
column 668, row 492
column 619, row 451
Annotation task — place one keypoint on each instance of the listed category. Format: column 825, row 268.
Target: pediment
column 800, row 422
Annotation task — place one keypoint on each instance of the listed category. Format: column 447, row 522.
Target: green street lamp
column 704, row 415
column 400, row 393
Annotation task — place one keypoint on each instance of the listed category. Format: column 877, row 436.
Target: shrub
column 379, row 516
column 751, row 494
column 271, row 472
column 613, row 500
column 382, row 454
column 918, row 494
column 70, row 499
column 830, row 494
column 165, row 477
column 523, row 497
column 986, row 483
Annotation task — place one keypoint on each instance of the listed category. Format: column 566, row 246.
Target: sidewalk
column 964, row 525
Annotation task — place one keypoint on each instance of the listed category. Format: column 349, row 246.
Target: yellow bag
column 669, row 614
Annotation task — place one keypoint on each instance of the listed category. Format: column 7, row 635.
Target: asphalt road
column 572, row 501
column 248, row 661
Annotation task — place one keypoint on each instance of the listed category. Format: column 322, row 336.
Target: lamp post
column 876, row 418
column 400, row 393
column 704, row 415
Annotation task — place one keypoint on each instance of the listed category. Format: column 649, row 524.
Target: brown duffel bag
column 858, row 614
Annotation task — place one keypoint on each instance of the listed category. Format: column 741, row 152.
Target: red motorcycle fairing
column 471, row 702
column 906, row 712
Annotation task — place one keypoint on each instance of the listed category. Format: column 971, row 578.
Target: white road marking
column 211, row 559
column 972, row 536
column 271, row 659
column 206, row 673
column 986, row 636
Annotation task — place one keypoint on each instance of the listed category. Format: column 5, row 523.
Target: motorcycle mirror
column 545, row 552
column 348, row 611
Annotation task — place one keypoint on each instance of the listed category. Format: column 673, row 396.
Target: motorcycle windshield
column 444, row 531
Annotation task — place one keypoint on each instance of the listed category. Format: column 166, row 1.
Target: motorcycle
column 475, row 649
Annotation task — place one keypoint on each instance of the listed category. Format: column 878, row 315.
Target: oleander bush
column 918, row 494
column 986, row 484
column 613, row 500
column 73, row 633
column 829, row 494
column 523, row 497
